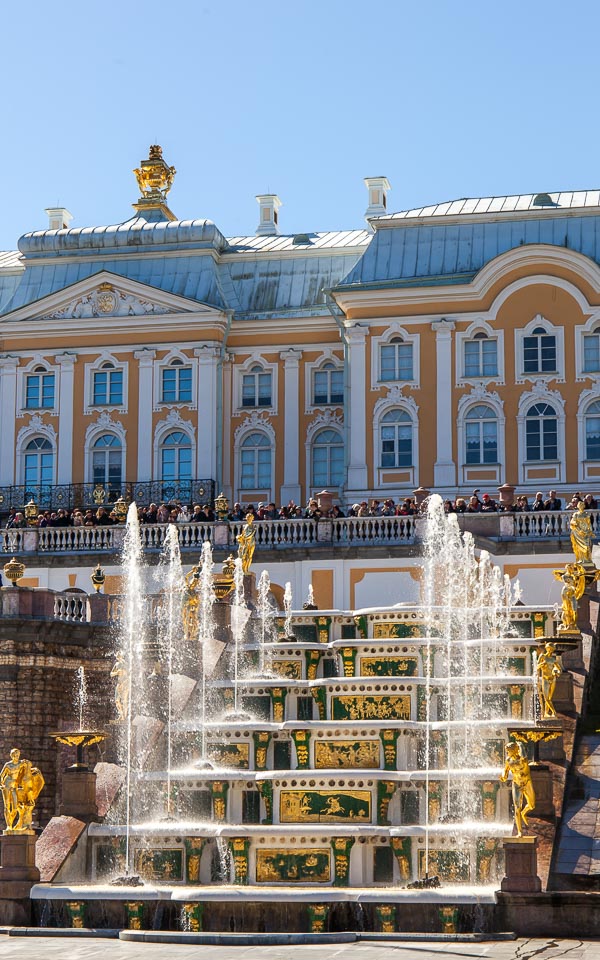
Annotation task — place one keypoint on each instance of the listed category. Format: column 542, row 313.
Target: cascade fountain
column 360, row 760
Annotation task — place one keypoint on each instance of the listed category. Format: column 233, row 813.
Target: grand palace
column 446, row 348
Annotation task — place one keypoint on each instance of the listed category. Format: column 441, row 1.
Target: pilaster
column 208, row 412
column 444, row 470
column 64, row 471
column 356, row 337
column 145, row 360
column 8, row 412
column 291, row 489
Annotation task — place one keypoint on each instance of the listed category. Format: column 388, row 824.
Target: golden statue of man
column 21, row 784
column 548, row 668
column 523, row 794
column 247, row 543
column 573, row 578
column 581, row 534
column 121, row 672
column 191, row 606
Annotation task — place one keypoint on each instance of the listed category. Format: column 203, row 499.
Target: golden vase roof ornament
column 97, row 577
column 14, row 570
column 154, row 176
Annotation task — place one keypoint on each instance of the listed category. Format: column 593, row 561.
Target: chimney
column 269, row 204
column 378, row 189
column 59, row 218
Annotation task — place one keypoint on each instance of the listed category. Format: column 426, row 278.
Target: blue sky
column 302, row 99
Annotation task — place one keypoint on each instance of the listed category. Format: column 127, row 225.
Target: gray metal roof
column 489, row 205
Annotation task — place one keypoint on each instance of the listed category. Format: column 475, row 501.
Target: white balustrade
column 70, row 607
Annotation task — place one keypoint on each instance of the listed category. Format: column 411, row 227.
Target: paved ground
column 49, row 948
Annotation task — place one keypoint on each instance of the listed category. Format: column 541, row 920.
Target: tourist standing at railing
column 16, row 522
column 474, row 505
column 553, row 502
column 488, row 505
column 538, row 503
column 590, row 502
column 574, row 501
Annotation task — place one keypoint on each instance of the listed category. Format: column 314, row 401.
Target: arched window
column 396, row 439
column 327, row 459
column 541, row 433
column 481, row 435
column 176, row 384
column 176, row 456
column 38, row 462
column 107, row 386
column 396, row 360
column 328, row 385
column 539, row 352
column 255, row 462
column 481, row 356
column 39, row 389
column 107, row 461
column 592, row 431
column 256, row 387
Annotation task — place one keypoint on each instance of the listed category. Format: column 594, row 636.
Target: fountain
column 362, row 760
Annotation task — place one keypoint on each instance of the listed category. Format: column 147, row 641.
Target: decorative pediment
column 36, row 427
column 255, row 421
column 395, row 397
column 323, row 420
column 107, row 301
column 479, row 393
column 104, row 423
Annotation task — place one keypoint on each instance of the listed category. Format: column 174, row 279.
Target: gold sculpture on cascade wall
column 548, row 669
column 21, row 783
column 191, row 605
column 517, row 767
column 581, row 534
column 121, row 674
column 247, row 543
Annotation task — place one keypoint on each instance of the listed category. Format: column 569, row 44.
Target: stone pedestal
column 520, row 866
column 79, row 795
column 221, row 535
column 18, row 871
column 541, row 778
column 563, row 694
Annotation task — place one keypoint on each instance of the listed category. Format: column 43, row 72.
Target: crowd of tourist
column 204, row 513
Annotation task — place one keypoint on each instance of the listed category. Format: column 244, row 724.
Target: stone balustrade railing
column 285, row 534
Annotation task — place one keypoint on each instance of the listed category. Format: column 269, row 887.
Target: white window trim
column 327, row 420
column 36, row 428
column 541, row 394
column 466, row 402
column 23, row 373
column 89, row 407
column 395, row 330
column 239, row 370
column 253, row 423
column 172, row 422
column 395, row 400
column 478, row 326
column 103, row 425
column 159, row 365
column 586, row 397
column 580, row 332
column 520, row 334
column 328, row 356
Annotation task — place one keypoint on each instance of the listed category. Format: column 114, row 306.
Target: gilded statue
column 191, row 605
column 21, row 783
column 523, row 795
column 573, row 578
column 548, row 669
column 581, row 534
column 121, row 673
column 247, row 543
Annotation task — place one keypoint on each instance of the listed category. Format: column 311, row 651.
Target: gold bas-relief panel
column 324, row 806
column 230, row 754
column 347, row 755
column 388, row 666
column 282, row 866
column 397, row 631
column 371, row 708
column 290, row 669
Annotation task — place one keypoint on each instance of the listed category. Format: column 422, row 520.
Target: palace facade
column 449, row 347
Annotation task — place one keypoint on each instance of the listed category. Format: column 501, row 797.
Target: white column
column 356, row 395
column 145, row 360
column 227, row 375
column 64, row 470
column 206, row 449
column 444, row 470
column 291, row 489
column 8, row 412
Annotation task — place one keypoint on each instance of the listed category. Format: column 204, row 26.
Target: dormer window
column 539, row 352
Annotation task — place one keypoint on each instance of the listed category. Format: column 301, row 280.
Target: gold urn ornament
column 97, row 577
column 31, row 513
column 221, row 506
column 14, row 570
column 154, row 176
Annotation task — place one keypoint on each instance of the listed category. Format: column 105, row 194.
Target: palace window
column 255, row 462
column 107, row 461
column 39, row 389
column 591, row 353
column 539, row 352
column 176, row 456
column 481, row 356
column 328, row 385
column 107, row 389
column 541, row 433
column 396, row 360
column 592, row 431
column 176, row 383
column 327, row 459
column 38, row 462
column 481, row 435
column 256, row 387
column 396, row 439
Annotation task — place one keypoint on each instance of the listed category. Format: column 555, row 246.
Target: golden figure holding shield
column 21, row 783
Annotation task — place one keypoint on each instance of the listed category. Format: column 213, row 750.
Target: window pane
column 48, row 390
column 185, row 385
column 530, row 355
column 405, row 361
column 169, row 385
column 248, row 390
column 473, row 439
column 388, row 362
column 320, row 387
column 32, row 391
column 550, row 445
column 533, row 439
column 489, row 349
column 319, row 476
column 472, row 364
column 116, row 387
column 591, row 353
column 548, row 352
column 264, row 389
column 100, row 387
column 592, row 438
column 337, row 386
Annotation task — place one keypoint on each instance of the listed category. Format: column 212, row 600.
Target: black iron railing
column 90, row 495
